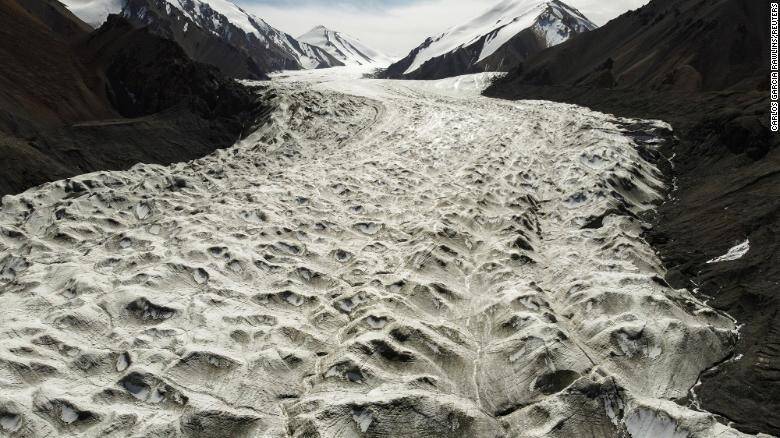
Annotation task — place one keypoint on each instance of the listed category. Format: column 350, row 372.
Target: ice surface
column 230, row 10
column 10, row 422
column 383, row 258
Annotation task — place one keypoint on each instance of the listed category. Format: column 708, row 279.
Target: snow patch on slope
column 735, row 253
column 201, row 13
column 507, row 26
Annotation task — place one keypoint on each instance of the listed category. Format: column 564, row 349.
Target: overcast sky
column 397, row 26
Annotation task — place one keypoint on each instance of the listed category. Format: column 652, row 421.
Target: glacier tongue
column 385, row 258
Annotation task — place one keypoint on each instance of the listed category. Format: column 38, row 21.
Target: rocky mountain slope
column 72, row 101
column 703, row 67
column 347, row 49
column 496, row 41
column 200, row 44
column 265, row 46
column 667, row 45
column 43, row 81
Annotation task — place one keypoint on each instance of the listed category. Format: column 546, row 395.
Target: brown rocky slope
column 73, row 102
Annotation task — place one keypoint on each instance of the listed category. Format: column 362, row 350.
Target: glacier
column 383, row 258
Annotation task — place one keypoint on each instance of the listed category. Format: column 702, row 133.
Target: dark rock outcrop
column 147, row 74
column 43, row 81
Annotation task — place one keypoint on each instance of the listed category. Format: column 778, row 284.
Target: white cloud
column 93, row 12
column 396, row 30
column 601, row 11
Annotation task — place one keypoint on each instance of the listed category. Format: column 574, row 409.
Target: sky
column 397, row 26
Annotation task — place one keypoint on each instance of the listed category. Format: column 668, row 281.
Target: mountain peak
column 345, row 48
column 227, row 36
column 497, row 40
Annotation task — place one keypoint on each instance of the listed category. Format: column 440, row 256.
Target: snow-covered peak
column 217, row 16
column 345, row 48
column 550, row 19
column 95, row 12
column 199, row 10
column 221, row 18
